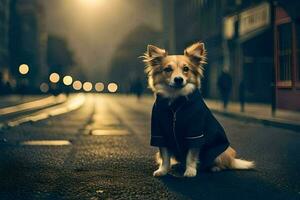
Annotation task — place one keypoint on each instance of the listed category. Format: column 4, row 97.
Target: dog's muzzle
column 178, row 82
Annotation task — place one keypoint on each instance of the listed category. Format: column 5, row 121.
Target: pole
column 274, row 74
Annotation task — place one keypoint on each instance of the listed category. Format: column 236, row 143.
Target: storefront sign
column 254, row 18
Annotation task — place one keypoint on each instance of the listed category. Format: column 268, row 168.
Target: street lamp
column 87, row 86
column 23, row 69
column 44, row 87
column 99, row 87
column 77, row 85
column 67, row 80
column 112, row 87
column 54, row 77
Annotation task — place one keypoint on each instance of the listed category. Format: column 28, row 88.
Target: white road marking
column 113, row 132
column 46, row 143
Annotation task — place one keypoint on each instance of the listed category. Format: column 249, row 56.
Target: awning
column 292, row 7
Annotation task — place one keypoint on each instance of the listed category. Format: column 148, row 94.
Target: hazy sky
column 94, row 28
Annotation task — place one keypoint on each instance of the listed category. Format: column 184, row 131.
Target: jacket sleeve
column 157, row 138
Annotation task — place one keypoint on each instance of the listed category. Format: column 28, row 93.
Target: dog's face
column 175, row 75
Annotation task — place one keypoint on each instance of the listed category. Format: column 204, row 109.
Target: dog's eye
column 168, row 69
column 186, row 69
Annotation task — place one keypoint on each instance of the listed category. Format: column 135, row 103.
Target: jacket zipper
column 174, row 129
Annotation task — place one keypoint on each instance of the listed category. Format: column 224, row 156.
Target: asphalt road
column 119, row 166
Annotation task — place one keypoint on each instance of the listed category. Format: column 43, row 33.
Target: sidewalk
column 258, row 113
column 11, row 100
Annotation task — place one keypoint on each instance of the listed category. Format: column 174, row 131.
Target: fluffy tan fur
column 157, row 59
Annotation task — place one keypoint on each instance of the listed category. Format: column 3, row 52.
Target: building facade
column 287, row 54
column 257, row 41
column 198, row 20
column 4, row 35
column 28, row 42
column 250, row 49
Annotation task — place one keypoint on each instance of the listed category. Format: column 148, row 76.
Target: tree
column 126, row 67
column 60, row 58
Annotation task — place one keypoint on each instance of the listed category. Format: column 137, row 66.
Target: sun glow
column 91, row 2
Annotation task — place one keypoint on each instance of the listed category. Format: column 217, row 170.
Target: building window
column 285, row 54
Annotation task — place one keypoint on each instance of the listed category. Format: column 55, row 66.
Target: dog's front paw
column 190, row 172
column 160, row 172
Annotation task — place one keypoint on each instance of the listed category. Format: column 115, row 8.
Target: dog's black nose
column 178, row 80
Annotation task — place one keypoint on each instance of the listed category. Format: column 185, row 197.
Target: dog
column 182, row 126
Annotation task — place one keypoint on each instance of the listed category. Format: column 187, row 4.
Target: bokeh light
column 67, row 80
column 77, row 85
column 44, row 87
column 87, row 86
column 99, row 87
column 54, row 77
column 23, row 69
column 112, row 87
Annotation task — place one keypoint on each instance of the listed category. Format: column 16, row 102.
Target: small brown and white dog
column 172, row 77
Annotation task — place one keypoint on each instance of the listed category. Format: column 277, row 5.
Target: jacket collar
column 164, row 103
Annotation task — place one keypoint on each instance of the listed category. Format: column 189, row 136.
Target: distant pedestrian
column 5, row 87
column 137, row 88
column 242, row 95
column 225, row 85
column 1, row 84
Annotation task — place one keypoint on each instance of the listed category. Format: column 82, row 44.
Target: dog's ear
column 155, row 52
column 196, row 53
column 153, row 58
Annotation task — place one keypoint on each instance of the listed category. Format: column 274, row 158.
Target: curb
column 267, row 122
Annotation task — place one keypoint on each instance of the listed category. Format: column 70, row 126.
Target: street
column 104, row 153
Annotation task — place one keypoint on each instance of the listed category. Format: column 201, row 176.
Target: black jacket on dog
column 186, row 123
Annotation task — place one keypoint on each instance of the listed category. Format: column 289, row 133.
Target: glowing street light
column 23, row 69
column 44, row 87
column 99, row 87
column 87, row 86
column 112, row 87
column 68, row 80
column 77, row 85
column 54, row 77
